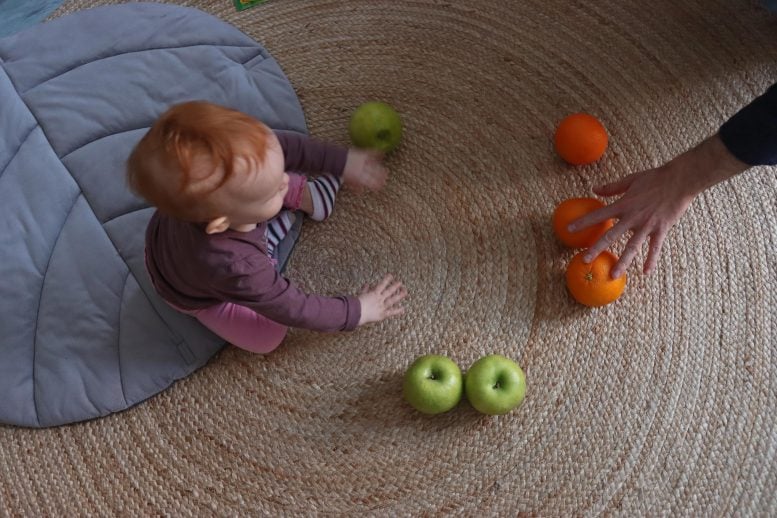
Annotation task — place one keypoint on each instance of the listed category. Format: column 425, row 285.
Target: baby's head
column 204, row 163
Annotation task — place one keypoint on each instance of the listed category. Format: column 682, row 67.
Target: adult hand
column 655, row 199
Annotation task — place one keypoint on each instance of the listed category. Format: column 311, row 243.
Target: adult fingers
column 654, row 251
column 605, row 241
column 632, row 247
column 594, row 217
column 617, row 187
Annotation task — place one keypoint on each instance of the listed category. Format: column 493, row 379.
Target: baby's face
column 255, row 191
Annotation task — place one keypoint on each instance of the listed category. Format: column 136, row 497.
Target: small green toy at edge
column 241, row 5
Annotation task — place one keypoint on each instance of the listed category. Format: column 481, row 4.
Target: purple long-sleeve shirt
column 194, row 270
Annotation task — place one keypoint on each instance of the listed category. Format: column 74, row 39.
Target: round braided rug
column 662, row 403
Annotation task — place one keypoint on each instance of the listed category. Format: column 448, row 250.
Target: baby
column 224, row 197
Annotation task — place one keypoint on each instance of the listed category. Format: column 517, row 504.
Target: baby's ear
column 217, row 225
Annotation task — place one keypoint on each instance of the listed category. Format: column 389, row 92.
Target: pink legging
column 241, row 326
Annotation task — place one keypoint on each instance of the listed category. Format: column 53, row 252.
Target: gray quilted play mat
column 82, row 333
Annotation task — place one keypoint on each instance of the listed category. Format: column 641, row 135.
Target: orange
column 580, row 139
column 591, row 284
column 568, row 211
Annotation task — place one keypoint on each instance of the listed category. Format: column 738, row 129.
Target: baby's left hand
column 364, row 169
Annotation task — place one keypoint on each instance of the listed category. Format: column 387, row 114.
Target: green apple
column 375, row 125
column 495, row 385
column 433, row 384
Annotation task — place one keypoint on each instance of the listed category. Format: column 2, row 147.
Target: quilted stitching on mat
column 82, row 333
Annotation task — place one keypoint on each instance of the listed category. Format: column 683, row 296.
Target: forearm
column 312, row 156
column 253, row 282
column 705, row 165
column 309, row 311
column 282, row 302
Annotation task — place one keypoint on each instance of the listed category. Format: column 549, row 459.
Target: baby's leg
column 316, row 197
column 242, row 327
column 322, row 193
column 277, row 229
column 294, row 196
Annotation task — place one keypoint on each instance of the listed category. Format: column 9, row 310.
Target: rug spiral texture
column 662, row 403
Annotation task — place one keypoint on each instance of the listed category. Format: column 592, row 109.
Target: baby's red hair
column 160, row 167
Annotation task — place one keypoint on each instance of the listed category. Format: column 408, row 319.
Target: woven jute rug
column 661, row 403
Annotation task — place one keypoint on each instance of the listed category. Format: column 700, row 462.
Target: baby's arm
column 254, row 283
column 311, row 156
column 358, row 168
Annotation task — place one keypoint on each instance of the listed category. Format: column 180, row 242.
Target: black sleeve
column 751, row 134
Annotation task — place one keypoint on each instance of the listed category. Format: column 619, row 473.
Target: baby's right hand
column 364, row 169
column 382, row 301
